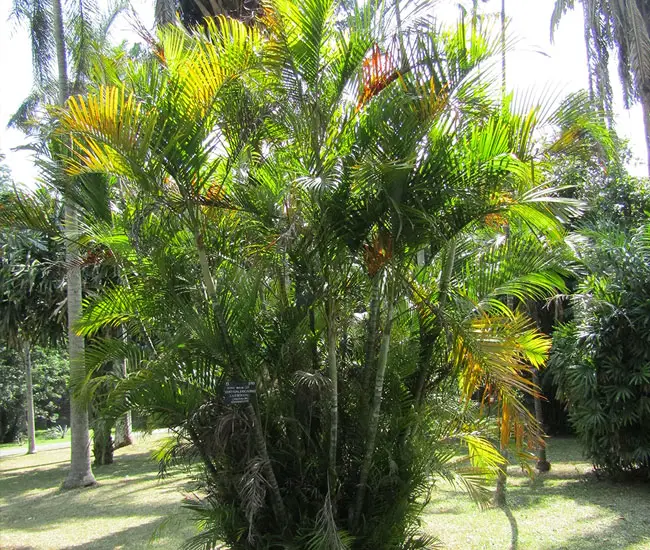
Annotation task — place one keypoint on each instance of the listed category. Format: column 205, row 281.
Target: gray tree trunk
column 123, row 435
column 31, row 431
column 123, row 431
column 80, row 473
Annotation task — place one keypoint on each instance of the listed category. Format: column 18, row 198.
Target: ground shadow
column 33, row 502
column 623, row 506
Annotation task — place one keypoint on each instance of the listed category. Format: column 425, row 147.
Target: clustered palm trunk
column 305, row 205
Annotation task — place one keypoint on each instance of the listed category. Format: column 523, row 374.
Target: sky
column 559, row 68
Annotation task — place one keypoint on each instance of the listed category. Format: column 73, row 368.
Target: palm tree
column 49, row 43
column 31, row 286
column 624, row 26
column 279, row 187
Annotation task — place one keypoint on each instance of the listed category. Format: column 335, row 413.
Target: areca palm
column 280, row 182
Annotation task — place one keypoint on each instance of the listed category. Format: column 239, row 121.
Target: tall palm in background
column 32, row 291
column 51, row 34
column 625, row 27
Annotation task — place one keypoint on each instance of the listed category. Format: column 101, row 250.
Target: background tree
column 600, row 359
column 58, row 45
column 32, row 289
column 193, row 12
column 624, row 26
column 50, row 383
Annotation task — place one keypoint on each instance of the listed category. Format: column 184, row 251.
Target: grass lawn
column 123, row 511
column 567, row 508
column 41, row 440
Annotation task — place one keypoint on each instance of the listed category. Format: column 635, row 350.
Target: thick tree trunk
column 31, row 431
column 123, row 431
column 80, row 474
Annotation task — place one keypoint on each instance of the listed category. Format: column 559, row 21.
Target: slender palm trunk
column 123, row 425
column 31, row 431
column 334, row 398
column 426, row 347
column 502, row 479
column 371, row 336
column 80, row 473
column 373, row 421
column 123, row 435
column 543, row 465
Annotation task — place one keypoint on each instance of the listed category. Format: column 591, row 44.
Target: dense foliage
column 50, row 391
column 335, row 211
column 342, row 213
column 601, row 360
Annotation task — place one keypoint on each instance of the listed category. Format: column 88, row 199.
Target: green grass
column 123, row 511
column 41, row 440
column 568, row 508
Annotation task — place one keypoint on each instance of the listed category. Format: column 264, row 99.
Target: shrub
column 601, row 360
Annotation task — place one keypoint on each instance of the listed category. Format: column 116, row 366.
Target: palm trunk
column 426, row 348
column 373, row 422
column 371, row 336
column 543, row 465
column 334, row 402
column 254, row 417
column 31, row 431
column 80, row 474
column 645, row 104
column 123, row 435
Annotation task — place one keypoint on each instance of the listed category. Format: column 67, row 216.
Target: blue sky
column 535, row 63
